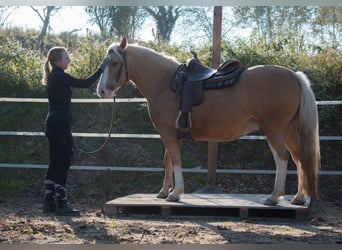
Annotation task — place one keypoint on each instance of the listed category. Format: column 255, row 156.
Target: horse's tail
column 309, row 140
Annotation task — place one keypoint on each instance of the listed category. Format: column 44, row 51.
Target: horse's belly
column 223, row 130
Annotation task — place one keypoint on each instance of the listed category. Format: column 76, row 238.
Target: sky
column 67, row 19
column 70, row 18
column 63, row 20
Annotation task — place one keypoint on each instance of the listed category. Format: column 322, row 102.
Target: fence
column 142, row 136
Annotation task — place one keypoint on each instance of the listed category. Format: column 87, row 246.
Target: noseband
column 122, row 56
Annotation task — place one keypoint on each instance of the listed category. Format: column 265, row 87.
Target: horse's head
column 115, row 73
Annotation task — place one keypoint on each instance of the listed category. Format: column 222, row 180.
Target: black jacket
column 58, row 89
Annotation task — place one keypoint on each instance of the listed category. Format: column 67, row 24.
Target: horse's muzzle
column 104, row 92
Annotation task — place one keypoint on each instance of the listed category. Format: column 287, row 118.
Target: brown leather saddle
column 191, row 79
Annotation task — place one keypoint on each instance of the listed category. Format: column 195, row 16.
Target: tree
column 165, row 18
column 3, row 15
column 116, row 20
column 269, row 21
column 195, row 25
column 44, row 15
column 100, row 16
column 327, row 24
column 199, row 24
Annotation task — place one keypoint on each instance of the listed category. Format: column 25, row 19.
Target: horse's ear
column 123, row 44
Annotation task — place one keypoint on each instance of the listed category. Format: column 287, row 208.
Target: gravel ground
column 22, row 220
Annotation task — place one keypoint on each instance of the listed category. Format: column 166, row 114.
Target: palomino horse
column 273, row 99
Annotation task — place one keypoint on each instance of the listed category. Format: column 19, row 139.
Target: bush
column 20, row 73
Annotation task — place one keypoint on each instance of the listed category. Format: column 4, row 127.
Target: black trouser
column 60, row 152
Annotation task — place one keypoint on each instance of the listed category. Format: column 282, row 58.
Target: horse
column 268, row 98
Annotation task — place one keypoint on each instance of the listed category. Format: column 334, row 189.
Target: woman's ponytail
column 46, row 72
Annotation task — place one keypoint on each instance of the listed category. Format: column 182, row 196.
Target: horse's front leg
column 179, row 184
column 168, row 180
column 173, row 148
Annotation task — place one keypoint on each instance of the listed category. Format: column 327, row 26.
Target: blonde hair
column 53, row 56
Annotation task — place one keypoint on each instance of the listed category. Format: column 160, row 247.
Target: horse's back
column 263, row 97
column 261, row 86
column 270, row 84
column 272, row 94
column 269, row 76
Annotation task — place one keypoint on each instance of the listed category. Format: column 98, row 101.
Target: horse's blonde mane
column 114, row 47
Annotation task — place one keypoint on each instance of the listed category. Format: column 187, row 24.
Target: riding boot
column 49, row 197
column 63, row 208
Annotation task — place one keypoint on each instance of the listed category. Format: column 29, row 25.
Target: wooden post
column 212, row 145
column 217, row 33
column 216, row 55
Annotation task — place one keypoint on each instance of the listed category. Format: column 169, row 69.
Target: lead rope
column 107, row 139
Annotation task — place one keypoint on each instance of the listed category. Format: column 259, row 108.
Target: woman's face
column 63, row 63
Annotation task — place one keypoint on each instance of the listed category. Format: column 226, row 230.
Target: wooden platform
column 208, row 205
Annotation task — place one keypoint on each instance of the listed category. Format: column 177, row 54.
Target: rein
column 108, row 137
column 122, row 56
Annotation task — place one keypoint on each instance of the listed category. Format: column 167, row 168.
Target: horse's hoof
column 297, row 202
column 270, row 202
column 173, row 198
column 162, row 195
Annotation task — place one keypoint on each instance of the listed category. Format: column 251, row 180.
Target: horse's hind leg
column 292, row 142
column 280, row 156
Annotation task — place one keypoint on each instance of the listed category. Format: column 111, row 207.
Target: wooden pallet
column 208, row 205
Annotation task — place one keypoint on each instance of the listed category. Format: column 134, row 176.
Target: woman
column 57, row 127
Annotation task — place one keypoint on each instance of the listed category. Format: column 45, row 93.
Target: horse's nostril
column 102, row 92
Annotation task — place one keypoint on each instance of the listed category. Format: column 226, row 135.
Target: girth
column 192, row 79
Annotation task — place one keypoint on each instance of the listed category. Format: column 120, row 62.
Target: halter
column 122, row 56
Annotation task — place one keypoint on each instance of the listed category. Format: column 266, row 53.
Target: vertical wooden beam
column 217, row 33
column 216, row 58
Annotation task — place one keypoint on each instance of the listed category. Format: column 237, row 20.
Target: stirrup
column 183, row 122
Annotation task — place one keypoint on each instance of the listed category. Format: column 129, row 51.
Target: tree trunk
column 46, row 22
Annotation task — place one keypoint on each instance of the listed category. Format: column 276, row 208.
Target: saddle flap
column 192, row 95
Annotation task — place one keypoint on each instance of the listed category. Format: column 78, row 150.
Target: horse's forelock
column 114, row 48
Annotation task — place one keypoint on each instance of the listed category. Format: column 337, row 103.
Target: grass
column 9, row 181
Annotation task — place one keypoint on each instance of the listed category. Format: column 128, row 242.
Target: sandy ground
column 22, row 221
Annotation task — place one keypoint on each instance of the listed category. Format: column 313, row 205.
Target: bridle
column 122, row 56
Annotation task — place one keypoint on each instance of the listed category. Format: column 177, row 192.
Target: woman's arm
column 86, row 83
column 82, row 83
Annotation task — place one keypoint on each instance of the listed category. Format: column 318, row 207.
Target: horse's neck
column 151, row 72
